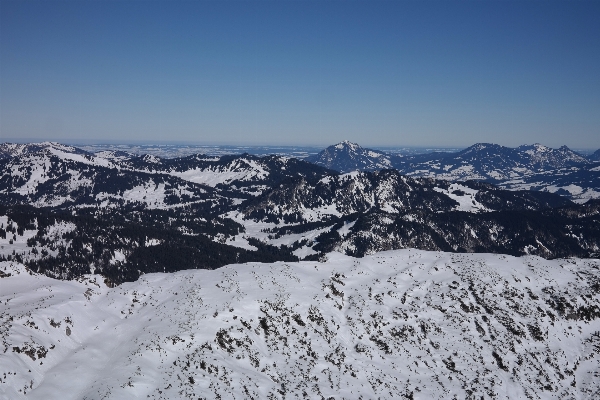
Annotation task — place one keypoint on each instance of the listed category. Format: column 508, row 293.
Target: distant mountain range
column 530, row 167
column 126, row 215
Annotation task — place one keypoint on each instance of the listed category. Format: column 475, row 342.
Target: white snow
column 304, row 251
column 55, row 232
column 346, row 143
column 350, row 176
column 152, row 242
column 579, row 194
column 429, row 325
column 573, row 189
column 586, row 195
column 65, row 154
column 15, row 243
column 326, row 180
column 467, row 201
column 38, row 175
column 344, row 230
column 242, row 169
column 150, row 193
column 241, row 241
column 118, row 256
column 317, row 213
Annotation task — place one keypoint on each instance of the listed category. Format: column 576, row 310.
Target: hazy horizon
column 141, row 143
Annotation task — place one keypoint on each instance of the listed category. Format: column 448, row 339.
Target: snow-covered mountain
column 127, row 276
column 347, row 157
column 542, row 157
column 50, row 174
column 533, row 167
column 490, row 162
column 357, row 214
column 124, row 216
column 577, row 183
column 365, row 212
column 245, row 173
column 387, row 190
column 405, row 324
column 530, row 167
column 48, row 178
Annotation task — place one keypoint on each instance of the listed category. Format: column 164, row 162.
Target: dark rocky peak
column 483, row 151
column 483, row 147
column 595, row 156
column 347, row 156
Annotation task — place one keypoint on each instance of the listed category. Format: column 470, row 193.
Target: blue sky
column 403, row 73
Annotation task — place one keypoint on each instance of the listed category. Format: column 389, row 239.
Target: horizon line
column 91, row 142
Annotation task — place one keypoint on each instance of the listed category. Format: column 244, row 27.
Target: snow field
column 464, row 196
column 397, row 324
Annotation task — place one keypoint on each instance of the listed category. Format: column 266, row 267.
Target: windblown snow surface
column 398, row 324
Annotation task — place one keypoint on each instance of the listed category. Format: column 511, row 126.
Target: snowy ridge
column 48, row 149
column 274, row 207
column 240, row 170
column 528, row 167
column 53, row 177
column 385, row 190
column 401, row 324
column 578, row 183
column 245, row 174
column 531, row 167
column 207, row 170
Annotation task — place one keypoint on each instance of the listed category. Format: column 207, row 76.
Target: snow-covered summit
column 347, row 144
column 347, row 156
column 548, row 157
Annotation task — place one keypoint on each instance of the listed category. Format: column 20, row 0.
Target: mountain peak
column 346, row 144
column 548, row 155
column 480, row 147
column 538, row 148
column 347, row 156
column 534, row 148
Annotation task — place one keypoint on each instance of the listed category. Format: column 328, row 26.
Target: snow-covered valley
column 397, row 324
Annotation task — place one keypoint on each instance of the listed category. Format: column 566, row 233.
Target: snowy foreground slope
column 398, row 324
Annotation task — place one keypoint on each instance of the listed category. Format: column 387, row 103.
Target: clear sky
column 397, row 73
